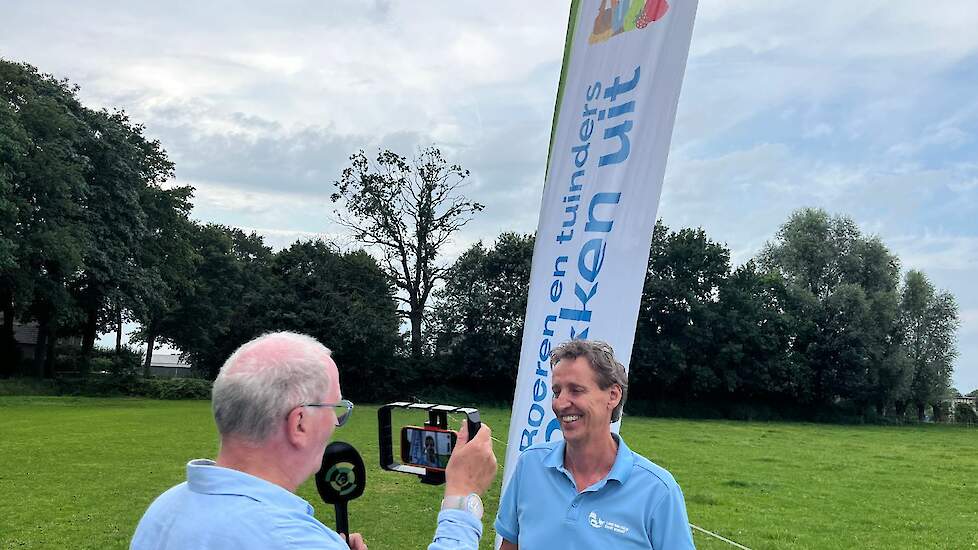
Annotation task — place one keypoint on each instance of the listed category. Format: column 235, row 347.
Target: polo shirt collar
column 624, row 461
column 204, row 476
column 620, row 470
column 555, row 458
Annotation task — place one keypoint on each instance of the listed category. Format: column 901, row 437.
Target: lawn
column 78, row 473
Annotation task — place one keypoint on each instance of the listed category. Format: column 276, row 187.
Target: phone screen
column 427, row 447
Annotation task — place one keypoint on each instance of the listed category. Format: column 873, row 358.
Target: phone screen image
column 429, row 448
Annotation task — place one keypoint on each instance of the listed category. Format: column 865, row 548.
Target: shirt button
column 574, row 505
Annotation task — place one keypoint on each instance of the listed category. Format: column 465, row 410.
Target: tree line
column 819, row 325
column 92, row 236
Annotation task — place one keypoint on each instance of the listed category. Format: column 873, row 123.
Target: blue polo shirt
column 222, row 508
column 637, row 505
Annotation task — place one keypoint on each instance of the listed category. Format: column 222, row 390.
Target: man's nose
column 559, row 402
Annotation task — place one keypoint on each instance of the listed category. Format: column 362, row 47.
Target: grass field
column 78, row 473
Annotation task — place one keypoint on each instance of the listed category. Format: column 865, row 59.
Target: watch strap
column 470, row 503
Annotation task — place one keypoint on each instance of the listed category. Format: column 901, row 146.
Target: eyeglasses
column 341, row 416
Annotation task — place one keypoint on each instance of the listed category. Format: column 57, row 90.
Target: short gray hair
column 608, row 371
column 265, row 379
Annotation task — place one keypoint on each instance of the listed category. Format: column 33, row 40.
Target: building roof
column 169, row 360
column 25, row 333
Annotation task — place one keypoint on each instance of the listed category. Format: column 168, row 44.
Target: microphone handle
column 342, row 518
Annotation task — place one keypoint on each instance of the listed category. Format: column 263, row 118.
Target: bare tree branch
column 408, row 211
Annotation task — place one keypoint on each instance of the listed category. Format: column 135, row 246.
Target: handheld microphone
column 341, row 479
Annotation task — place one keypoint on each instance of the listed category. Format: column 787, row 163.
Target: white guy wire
column 741, row 546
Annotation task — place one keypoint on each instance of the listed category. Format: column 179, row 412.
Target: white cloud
column 926, row 251
column 969, row 321
column 273, row 63
column 279, row 239
column 821, row 129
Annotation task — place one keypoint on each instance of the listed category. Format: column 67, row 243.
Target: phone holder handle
column 437, row 417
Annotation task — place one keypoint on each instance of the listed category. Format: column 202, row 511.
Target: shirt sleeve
column 670, row 525
column 298, row 532
column 507, row 518
column 456, row 529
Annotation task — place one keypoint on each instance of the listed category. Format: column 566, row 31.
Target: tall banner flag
column 623, row 69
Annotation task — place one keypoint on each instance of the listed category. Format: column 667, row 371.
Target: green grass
column 78, row 473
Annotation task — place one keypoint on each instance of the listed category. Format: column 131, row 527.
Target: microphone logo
column 341, row 478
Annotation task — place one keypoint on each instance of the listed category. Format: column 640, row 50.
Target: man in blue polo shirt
column 590, row 490
column 276, row 403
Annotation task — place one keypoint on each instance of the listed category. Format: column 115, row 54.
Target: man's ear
column 297, row 426
column 615, row 396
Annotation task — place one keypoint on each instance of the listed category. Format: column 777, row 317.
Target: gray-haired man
column 276, row 403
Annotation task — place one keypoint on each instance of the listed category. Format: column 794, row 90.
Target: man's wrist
column 470, row 503
column 458, row 488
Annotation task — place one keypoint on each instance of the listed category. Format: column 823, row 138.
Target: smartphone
column 428, row 447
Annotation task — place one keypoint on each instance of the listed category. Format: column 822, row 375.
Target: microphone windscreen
column 343, row 476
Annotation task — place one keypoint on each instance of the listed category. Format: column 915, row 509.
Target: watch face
column 473, row 504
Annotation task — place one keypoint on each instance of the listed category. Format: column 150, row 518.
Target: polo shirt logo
column 599, row 523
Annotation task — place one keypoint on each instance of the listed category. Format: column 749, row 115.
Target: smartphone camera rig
column 437, row 421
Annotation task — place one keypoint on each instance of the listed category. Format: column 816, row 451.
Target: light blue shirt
column 637, row 505
column 220, row 508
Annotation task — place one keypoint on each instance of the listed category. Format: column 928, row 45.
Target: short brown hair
column 608, row 371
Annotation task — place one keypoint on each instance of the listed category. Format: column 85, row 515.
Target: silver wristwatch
column 470, row 503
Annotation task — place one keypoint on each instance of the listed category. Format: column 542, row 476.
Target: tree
column 678, row 313
column 812, row 251
column 13, row 139
column 930, row 321
column 407, row 211
column 344, row 300
column 843, row 292
column 13, row 143
column 890, row 367
column 237, row 289
column 751, row 355
column 479, row 314
column 965, row 414
column 841, row 349
column 230, row 273
column 122, row 165
column 45, row 168
column 168, row 260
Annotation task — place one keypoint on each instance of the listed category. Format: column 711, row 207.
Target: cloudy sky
column 863, row 108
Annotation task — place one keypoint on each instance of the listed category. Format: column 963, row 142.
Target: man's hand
column 355, row 542
column 472, row 466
